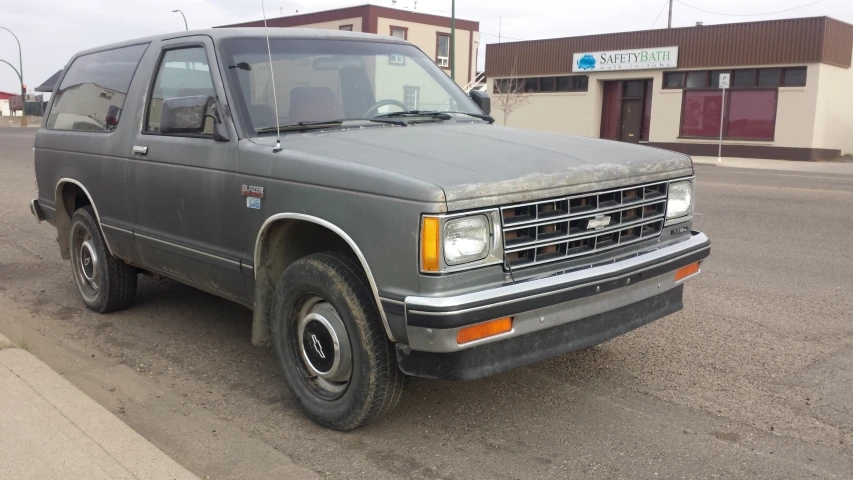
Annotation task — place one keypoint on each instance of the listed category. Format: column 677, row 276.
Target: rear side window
column 92, row 93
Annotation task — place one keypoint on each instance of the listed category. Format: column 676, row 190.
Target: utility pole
column 453, row 39
column 185, row 19
column 20, row 72
column 669, row 22
column 500, row 20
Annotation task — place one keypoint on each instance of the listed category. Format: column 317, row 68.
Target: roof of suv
column 219, row 33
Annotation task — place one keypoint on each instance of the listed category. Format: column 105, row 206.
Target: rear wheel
column 331, row 344
column 105, row 282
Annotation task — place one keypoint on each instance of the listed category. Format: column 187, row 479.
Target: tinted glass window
column 751, row 114
column 548, row 84
column 701, row 114
column 564, row 84
column 673, row 79
column 92, row 93
column 769, row 77
column 744, row 78
column 697, row 79
column 531, row 85
column 634, row 89
column 182, row 73
column 795, row 77
column 581, row 83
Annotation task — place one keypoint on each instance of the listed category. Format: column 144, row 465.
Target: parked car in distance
column 367, row 211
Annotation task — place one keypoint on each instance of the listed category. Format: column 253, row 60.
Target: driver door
column 183, row 186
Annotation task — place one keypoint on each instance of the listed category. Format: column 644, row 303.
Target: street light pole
column 453, row 39
column 185, row 18
column 20, row 72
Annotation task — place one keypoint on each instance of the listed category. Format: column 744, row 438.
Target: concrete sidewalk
column 834, row 168
column 50, row 429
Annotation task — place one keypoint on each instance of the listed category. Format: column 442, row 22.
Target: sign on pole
column 724, row 84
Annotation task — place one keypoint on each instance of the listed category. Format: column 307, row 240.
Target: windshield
column 320, row 80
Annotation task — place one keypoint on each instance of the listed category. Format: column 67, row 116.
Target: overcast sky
column 52, row 30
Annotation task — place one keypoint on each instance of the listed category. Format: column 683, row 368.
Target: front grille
column 569, row 227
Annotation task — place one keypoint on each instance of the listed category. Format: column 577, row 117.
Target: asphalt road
column 753, row 379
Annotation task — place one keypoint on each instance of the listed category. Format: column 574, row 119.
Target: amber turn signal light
column 483, row 330
column 429, row 245
column 685, row 272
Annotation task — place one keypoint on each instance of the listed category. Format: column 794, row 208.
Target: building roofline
column 766, row 42
column 674, row 29
column 369, row 14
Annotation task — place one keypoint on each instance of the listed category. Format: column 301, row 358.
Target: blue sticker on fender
column 253, row 202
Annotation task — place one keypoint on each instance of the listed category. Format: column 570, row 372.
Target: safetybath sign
column 635, row 59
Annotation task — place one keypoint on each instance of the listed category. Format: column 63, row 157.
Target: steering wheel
column 374, row 110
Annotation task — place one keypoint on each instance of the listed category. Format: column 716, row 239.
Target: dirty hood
column 479, row 165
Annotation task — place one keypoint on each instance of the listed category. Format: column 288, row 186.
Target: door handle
column 140, row 150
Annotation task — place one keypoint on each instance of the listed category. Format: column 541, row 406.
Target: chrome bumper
column 433, row 323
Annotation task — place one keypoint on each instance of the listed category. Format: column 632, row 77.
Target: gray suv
column 342, row 187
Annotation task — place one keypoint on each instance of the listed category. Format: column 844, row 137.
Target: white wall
column 799, row 120
column 4, row 108
column 834, row 125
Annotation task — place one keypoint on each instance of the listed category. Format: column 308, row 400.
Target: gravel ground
column 753, row 379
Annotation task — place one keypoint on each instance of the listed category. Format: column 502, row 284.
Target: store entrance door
column 626, row 110
column 632, row 120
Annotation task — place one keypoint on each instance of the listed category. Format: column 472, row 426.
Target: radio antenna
column 277, row 147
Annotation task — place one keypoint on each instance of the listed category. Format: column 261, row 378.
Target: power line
column 747, row 14
column 502, row 36
column 665, row 2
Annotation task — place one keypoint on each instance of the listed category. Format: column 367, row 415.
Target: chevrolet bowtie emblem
column 598, row 222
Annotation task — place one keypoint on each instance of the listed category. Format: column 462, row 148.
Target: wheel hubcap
column 86, row 263
column 324, row 348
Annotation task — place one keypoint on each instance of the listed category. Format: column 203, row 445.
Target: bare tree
column 509, row 95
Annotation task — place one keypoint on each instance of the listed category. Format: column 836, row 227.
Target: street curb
column 5, row 342
column 48, row 412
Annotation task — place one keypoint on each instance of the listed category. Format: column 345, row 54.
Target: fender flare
column 338, row 231
column 60, row 201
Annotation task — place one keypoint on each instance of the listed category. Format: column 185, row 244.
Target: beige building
column 430, row 33
column 788, row 96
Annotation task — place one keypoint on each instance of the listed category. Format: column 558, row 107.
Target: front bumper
column 551, row 315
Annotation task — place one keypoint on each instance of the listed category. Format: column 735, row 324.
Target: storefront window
column 794, row 77
column 744, row 78
column 697, row 79
column 673, row 80
column 769, row 77
column 700, row 115
column 749, row 114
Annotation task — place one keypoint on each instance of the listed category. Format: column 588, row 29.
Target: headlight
column 466, row 239
column 680, row 200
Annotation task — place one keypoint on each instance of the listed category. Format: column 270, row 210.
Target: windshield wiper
column 327, row 123
column 416, row 113
column 444, row 115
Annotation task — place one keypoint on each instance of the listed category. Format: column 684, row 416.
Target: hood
column 479, row 165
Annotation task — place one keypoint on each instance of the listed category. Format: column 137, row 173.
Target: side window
column 92, row 93
column 182, row 73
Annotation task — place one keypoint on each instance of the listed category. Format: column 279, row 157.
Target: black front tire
column 105, row 283
column 374, row 384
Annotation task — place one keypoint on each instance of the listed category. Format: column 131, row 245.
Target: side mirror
column 184, row 114
column 482, row 100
